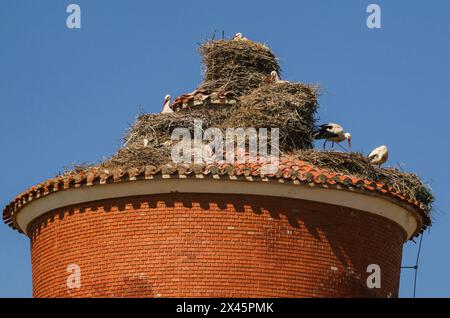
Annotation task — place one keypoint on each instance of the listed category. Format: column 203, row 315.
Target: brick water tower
column 137, row 226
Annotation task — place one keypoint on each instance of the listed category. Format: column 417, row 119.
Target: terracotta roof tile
column 290, row 169
column 202, row 98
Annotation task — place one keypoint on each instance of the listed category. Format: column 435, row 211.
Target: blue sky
column 67, row 96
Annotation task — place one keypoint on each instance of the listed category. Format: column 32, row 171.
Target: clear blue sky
column 67, row 96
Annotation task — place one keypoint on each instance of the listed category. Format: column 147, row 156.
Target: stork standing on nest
column 379, row 155
column 334, row 133
column 166, row 105
column 239, row 37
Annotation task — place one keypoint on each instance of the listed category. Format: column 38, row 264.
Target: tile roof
column 289, row 170
column 201, row 98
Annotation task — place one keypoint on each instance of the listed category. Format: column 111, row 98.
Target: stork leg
column 332, row 144
column 324, row 144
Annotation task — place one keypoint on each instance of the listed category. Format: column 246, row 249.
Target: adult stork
column 379, row 155
column 334, row 133
column 275, row 78
column 166, row 105
column 239, row 37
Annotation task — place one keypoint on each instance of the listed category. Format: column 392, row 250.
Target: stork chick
column 379, row 155
column 166, row 105
column 334, row 133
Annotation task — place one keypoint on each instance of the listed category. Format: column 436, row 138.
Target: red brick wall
column 200, row 245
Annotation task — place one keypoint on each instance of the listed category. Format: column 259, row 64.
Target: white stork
column 334, row 133
column 239, row 37
column 275, row 78
column 379, row 155
column 166, row 105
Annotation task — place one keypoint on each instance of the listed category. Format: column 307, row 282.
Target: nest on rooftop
column 290, row 107
column 157, row 130
column 353, row 164
column 137, row 155
column 239, row 66
column 357, row 164
column 243, row 67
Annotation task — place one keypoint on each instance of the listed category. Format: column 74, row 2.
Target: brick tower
column 214, row 233
column 215, row 230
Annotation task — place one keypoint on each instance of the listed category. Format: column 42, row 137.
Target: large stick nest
column 239, row 66
column 356, row 164
column 287, row 106
column 157, row 130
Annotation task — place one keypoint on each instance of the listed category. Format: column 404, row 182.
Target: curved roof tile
column 289, row 169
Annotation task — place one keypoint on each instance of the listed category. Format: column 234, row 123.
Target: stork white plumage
column 334, row 133
column 166, row 105
column 239, row 37
column 379, row 155
column 275, row 78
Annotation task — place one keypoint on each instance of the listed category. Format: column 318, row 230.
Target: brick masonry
column 214, row 245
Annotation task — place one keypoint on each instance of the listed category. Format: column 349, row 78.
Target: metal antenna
column 416, row 266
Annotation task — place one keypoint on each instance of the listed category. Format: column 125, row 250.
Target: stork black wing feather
column 323, row 132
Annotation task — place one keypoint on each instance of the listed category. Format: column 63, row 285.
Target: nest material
column 157, row 130
column 356, row 164
column 290, row 107
column 239, row 66
column 136, row 155
column 75, row 168
column 346, row 163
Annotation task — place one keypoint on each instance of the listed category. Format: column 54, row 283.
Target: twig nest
column 357, row 164
column 290, row 107
column 240, row 66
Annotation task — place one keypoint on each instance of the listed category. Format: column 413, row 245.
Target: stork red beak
column 165, row 101
column 349, row 142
